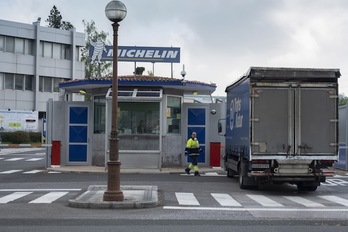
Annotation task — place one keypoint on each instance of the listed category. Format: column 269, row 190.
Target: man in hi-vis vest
column 192, row 149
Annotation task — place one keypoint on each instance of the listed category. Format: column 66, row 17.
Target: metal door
column 196, row 122
column 318, row 123
column 294, row 121
column 78, row 135
column 270, row 121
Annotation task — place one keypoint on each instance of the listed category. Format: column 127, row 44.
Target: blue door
column 78, row 135
column 196, row 122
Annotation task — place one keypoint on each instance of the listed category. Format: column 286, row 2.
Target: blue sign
column 100, row 52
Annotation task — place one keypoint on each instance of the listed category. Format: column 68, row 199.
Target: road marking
column 335, row 182
column 264, row 201
column 33, row 172
column 204, row 174
column 53, row 172
column 303, row 201
column 13, row 159
column 13, row 196
column 212, row 174
column 34, row 159
column 10, row 171
column 336, row 199
column 48, row 198
column 258, row 209
column 225, row 200
column 186, row 199
column 38, row 190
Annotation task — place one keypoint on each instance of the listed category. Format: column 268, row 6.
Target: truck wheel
column 230, row 173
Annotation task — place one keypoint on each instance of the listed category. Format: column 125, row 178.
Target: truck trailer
column 282, row 126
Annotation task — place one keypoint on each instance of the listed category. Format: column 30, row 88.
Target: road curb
column 135, row 197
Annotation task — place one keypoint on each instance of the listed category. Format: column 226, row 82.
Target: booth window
column 99, row 114
column 173, row 114
column 139, row 125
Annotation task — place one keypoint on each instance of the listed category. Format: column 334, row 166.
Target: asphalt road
column 32, row 199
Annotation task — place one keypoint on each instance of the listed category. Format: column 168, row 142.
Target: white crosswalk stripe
column 10, row 171
column 48, row 198
column 32, row 171
column 34, row 159
column 304, row 202
column 336, row 199
column 225, row 200
column 13, row 196
column 264, row 201
column 43, row 196
column 186, row 199
column 13, row 159
column 27, row 172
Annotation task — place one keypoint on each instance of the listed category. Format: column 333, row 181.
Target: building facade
column 33, row 60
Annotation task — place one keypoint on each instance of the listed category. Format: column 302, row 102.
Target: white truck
column 282, row 126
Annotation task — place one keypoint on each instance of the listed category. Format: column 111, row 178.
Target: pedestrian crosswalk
column 35, row 171
column 195, row 201
column 36, row 196
column 21, row 158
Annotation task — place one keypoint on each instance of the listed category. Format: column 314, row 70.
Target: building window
column 1, row 81
column 139, row 125
column 9, row 81
column 66, row 52
column 29, row 47
column 19, row 82
column 78, row 53
column 29, row 83
column 56, row 82
column 2, row 43
column 173, row 114
column 10, row 42
column 47, row 84
column 99, row 114
column 57, row 51
column 19, row 45
column 47, row 49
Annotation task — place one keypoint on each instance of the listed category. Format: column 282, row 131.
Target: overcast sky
column 219, row 39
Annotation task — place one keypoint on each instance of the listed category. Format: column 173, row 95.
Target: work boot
column 197, row 173
column 187, row 170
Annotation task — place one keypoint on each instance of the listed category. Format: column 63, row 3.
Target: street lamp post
column 115, row 11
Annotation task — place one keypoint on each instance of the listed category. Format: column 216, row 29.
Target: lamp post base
column 113, row 191
column 113, row 196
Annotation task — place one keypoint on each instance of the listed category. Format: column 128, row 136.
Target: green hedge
column 18, row 137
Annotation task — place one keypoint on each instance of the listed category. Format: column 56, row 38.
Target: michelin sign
column 100, row 52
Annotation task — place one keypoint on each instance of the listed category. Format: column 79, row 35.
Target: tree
column 343, row 100
column 55, row 20
column 95, row 68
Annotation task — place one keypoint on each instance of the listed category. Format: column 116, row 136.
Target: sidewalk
column 98, row 169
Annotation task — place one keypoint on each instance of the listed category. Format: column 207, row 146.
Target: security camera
column 213, row 112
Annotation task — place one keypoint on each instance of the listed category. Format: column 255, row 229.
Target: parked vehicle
column 282, row 126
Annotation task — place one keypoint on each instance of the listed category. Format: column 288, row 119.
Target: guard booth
column 154, row 121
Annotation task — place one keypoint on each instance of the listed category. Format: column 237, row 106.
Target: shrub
column 18, row 137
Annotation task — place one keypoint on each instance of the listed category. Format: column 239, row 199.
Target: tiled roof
column 126, row 80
